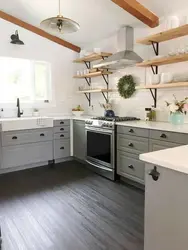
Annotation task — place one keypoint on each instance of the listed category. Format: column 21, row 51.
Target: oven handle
column 103, row 168
column 99, row 131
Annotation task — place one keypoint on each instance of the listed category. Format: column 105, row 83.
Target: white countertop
column 156, row 125
column 172, row 158
column 72, row 117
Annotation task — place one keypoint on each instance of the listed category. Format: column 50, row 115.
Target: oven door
column 100, row 147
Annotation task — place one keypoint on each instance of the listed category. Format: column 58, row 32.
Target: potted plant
column 177, row 110
column 36, row 112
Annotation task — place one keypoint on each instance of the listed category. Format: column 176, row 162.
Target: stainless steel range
column 100, row 137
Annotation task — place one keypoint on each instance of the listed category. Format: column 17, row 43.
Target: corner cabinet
column 79, row 140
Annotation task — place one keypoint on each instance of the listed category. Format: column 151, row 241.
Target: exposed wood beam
column 138, row 11
column 38, row 31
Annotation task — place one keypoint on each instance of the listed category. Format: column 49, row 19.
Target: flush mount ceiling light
column 60, row 24
column 15, row 39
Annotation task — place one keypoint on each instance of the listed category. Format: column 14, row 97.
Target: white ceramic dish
column 78, row 113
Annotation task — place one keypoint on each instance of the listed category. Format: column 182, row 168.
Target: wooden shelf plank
column 165, row 36
column 166, row 85
column 164, row 60
column 96, row 91
column 94, row 74
column 92, row 57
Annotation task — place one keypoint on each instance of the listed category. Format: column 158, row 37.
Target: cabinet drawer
column 129, row 166
column 169, row 136
column 64, row 135
column 59, row 123
column 62, row 129
column 21, row 155
column 61, row 148
column 155, row 145
column 133, row 131
column 26, row 136
column 132, row 144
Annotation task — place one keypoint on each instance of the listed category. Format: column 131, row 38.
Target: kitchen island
column 166, row 199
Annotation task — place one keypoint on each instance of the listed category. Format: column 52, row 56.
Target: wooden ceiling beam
column 38, row 31
column 139, row 11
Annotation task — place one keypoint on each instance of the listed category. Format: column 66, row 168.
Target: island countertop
column 172, row 158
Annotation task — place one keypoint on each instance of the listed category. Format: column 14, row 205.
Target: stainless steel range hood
column 126, row 57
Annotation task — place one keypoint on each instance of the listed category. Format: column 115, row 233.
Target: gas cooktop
column 116, row 118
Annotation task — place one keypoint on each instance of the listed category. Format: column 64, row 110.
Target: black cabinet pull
column 131, row 145
column 154, row 173
column 61, row 122
column 41, row 134
column 61, row 135
column 62, row 148
column 131, row 166
column 14, row 137
column 61, row 129
column 131, row 130
column 163, row 136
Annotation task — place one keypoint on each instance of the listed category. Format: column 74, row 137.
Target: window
column 26, row 79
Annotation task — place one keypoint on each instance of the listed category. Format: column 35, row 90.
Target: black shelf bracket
column 154, row 69
column 155, row 47
column 88, row 96
column 88, row 80
column 106, row 79
column 88, row 64
column 105, row 96
column 154, row 95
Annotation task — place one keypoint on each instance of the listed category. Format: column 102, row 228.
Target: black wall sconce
column 15, row 39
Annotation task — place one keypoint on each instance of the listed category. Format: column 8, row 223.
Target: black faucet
column 19, row 113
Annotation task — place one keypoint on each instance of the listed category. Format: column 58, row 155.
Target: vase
column 177, row 118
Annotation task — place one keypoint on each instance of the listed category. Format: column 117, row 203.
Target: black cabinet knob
column 62, row 148
column 131, row 145
column 163, row 136
column 61, row 135
column 61, row 122
column 154, row 173
column 41, row 135
column 131, row 166
column 131, row 130
column 14, row 137
column 61, row 129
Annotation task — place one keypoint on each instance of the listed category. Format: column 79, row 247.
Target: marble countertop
column 72, row 117
column 172, row 158
column 156, row 125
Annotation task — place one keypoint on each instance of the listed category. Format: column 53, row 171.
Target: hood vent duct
column 126, row 57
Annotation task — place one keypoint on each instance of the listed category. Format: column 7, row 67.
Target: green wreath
column 126, row 86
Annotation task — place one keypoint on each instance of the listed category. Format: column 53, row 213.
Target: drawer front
column 61, row 148
column 132, row 144
column 29, row 136
column 129, row 166
column 59, row 136
column 133, row 131
column 59, row 123
column 155, row 145
column 62, row 129
column 169, row 136
column 21, row 155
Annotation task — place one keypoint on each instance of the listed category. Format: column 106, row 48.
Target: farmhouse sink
column 9, row 124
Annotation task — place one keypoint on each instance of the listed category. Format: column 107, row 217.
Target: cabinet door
column 79, row 139
column 21, row 155
column 155, row 145
column 61, row 148
column 166, row 206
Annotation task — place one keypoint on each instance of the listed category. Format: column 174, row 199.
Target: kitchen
column 87, row 211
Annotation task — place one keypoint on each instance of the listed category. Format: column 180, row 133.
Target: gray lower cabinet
column 79, row 140
column 26, row 154
column 155, row 145
column 166, row 206
column 61, row 140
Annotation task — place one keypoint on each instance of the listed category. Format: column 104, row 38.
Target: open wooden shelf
column 164, row 60
column 96, row 91
column 165, row 36
column 92, row 57
column 163, row 86
column 94, row 74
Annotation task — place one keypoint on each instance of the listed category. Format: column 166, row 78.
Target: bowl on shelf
column 77, row 113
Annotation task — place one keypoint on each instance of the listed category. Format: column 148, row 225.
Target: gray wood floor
column 69, row 208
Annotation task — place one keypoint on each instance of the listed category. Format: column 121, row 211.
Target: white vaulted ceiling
column 98, row 18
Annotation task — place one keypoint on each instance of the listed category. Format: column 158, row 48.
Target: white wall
column 135, row 105
column 39, row 48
